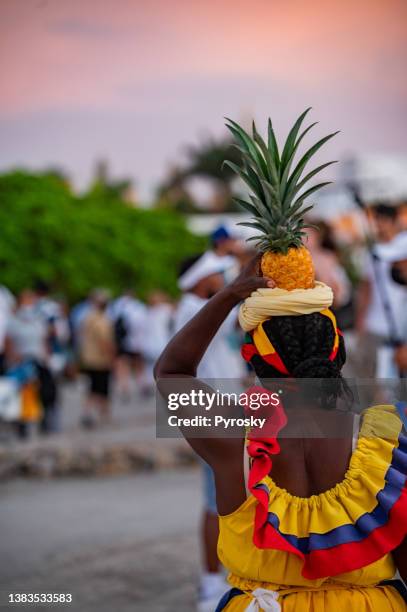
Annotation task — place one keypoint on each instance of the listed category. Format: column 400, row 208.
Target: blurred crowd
column 117, row 339
column 44, row 342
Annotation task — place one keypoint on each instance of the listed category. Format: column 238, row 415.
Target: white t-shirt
column 158, row 323
column 28, row 332
column 220, row 359
column 7, row 302
column 376, row 319
column 51, row 312
column 133, row 313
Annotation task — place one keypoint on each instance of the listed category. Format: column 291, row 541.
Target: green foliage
column 77, row 243
column 277, row 200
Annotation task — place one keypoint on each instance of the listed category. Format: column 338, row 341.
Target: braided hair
column 304, row 343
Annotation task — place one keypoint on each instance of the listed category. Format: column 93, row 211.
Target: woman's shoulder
column 356, row 522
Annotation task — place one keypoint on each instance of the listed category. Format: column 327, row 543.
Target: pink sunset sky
column 134, row 81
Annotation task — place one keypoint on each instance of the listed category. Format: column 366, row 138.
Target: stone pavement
column 127, row 444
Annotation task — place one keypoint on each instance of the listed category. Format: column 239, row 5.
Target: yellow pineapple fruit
column 277, row 201
column 294, row 270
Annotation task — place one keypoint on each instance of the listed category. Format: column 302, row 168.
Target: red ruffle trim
column 318, row 563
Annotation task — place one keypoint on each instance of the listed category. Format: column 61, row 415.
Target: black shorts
column 132, row 355
column 99, row 382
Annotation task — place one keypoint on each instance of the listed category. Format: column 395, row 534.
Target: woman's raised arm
column 180, row 360
column 183, row 353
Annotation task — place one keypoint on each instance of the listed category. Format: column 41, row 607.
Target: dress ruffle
column 353, row 524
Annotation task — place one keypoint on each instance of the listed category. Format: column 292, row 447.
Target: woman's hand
column 184, row 352
column 249, row 280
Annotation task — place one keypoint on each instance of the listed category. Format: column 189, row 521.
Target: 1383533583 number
column 47, row 598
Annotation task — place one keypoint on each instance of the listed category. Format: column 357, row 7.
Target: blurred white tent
column 377, row 177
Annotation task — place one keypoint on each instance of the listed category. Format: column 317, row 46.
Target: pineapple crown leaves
column 277, row 202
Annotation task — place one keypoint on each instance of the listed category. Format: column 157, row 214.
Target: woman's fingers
column 246, row 288
column 264, row 281
column 253, row 266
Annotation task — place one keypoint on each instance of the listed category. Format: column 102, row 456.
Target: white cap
column 205, row 266
column 395, row 250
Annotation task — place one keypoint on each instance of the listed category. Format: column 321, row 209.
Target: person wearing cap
column 201, row 277
column 224, row 243
column 97, row 355
column 227, row 247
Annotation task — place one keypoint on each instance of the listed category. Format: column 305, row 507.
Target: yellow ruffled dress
column 328, row 552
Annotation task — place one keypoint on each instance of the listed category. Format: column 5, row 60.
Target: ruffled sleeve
column 353, row 524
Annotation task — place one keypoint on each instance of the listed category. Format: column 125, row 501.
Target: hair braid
column 305, row 343
column 286, row 338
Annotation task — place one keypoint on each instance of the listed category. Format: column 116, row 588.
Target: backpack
column 120, row 330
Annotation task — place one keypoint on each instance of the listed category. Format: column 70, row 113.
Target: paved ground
column 118, row 544
column 122, row 543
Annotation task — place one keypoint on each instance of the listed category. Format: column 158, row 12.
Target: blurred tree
column 113, row 190
column 204, row 161
column 77, row 243
column 172, row 194
column 103, row 186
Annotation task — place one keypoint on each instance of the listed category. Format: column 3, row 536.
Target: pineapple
column 277, row 201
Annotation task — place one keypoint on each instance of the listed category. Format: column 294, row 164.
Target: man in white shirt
column 201, row 277
column 381, row 302
column 158, row 328
column 395, row 255
column 129, row 317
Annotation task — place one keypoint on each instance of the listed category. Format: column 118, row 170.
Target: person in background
column 97, row 358
column 228, row 253
column 7, row 303
column 129, row 317
column 27, row 341
column 227, row 249
column 58, row 335
column 65, row 357
column 395, row 254
column 158, row 326
column 224, row 244
column 52, row 312
column 374, row 356
column 201, row 277
column 328, row 268
column 76, row 318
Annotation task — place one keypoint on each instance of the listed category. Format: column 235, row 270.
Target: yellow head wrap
column 266, row 303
